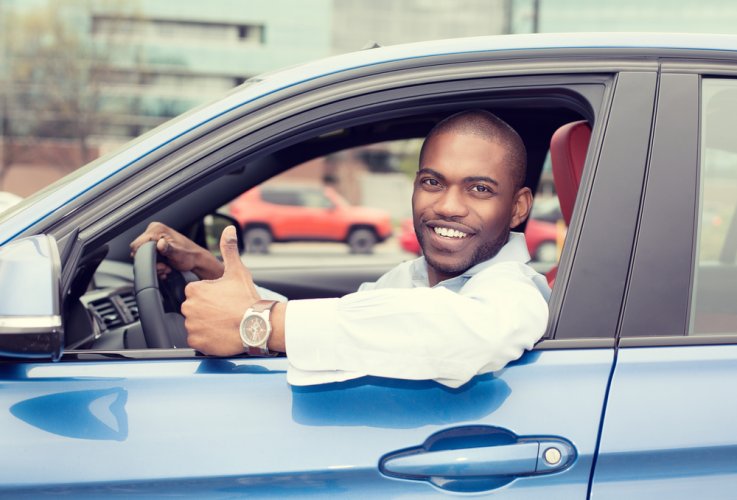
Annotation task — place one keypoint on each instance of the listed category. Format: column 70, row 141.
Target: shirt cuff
column 309, row 346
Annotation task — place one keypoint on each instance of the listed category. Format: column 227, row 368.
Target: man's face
column 464, row 203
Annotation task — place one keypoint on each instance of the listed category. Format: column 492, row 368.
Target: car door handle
column 519, row 459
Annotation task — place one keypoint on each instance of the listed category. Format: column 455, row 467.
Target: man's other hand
column 214, row 308
column 181, row 253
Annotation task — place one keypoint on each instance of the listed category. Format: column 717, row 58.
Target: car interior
column 102, row 310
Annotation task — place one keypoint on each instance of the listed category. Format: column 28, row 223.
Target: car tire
column 257, row 240
column 362, row 241
column 547, row 252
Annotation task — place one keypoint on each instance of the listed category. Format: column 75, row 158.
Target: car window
column 366, row 217
column 281, row 197
column 345, row 208
column 715, row 273
column 315, row 199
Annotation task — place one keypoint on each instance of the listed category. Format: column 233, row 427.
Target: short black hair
column 488, row 126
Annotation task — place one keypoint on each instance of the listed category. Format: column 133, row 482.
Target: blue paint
column 86, row 414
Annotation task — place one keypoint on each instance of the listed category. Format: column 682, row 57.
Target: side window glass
column 714, row 297
column 315, row 199
column 345, row 208
column 354, row 206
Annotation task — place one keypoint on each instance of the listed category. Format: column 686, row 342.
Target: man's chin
column 450, row 266
column 455, row 264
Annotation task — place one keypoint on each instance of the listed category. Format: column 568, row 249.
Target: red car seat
column 568, row 148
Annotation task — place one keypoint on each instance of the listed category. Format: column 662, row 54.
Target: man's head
column 468, row 191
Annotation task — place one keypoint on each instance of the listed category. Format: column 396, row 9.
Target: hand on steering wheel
column 161, row 329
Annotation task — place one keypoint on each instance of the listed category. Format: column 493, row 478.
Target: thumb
column 229, row 250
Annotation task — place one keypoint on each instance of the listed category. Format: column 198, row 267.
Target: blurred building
column 84, row 77
column 389, row 22
column 675, row 16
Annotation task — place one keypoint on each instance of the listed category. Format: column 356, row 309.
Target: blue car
column 626, row 396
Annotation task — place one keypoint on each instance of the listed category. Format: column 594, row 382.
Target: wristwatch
column 256, row 327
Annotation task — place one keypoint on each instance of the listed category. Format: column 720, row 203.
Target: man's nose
column 451, row 203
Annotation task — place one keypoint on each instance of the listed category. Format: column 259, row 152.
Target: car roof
column 62, row 193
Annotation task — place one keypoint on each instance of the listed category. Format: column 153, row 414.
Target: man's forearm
column 207, row 266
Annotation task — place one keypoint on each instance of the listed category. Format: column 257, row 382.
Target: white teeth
column 449, row 233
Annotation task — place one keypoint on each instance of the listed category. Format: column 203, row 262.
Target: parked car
column 542, row 239
column 307, row 213
column 628, row 394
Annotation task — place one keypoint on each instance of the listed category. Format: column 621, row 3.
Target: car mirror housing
column 30, row 319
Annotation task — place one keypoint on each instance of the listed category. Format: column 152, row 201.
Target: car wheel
column 362, row 241
column 547, row 252
column 257, row 240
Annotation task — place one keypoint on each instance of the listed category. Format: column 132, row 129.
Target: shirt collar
column 515, row 250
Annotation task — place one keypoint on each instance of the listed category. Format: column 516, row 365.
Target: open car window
column 287, row 195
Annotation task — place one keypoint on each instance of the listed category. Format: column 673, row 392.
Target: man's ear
column 521, row 207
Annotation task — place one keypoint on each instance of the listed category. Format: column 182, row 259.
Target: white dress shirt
column 400, row 327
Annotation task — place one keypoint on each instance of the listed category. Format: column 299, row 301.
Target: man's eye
column 430, row 182
column 480, row 188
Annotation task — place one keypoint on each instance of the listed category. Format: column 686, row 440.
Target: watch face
column 255, row 331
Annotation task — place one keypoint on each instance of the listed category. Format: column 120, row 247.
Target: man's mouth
column 449, row 233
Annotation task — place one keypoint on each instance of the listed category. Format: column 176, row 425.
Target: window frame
column 673, row 191
column 202, row 168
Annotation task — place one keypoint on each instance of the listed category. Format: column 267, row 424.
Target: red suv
column 307, row 213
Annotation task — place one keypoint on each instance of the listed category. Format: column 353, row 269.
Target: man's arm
column 417, row 334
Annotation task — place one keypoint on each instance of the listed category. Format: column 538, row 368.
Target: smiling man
column 470, row 305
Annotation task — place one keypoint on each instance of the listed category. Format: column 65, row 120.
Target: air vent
column 107, row 312
column 130, row 304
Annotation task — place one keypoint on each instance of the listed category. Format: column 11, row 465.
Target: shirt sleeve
column 417, row 333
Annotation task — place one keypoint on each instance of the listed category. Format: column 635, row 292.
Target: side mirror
column 207, row 232
column 30, row 319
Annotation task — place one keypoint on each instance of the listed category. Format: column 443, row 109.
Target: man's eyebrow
column 466, row 180
column 480, row 178
column 425, row 170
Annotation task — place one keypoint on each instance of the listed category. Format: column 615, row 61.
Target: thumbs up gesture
column 214, row 308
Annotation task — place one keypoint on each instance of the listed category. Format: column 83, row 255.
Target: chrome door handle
column 523, row 458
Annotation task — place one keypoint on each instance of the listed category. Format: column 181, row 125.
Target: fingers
column 162, row 245
column 154, row 231
column 229, row 251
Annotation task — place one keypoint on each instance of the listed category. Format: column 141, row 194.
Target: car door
column 159, row 421
column 669, row 426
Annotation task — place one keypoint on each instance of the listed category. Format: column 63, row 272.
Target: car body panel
column 666, row 433
column 134, row 422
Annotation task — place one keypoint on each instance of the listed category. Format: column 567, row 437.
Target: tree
column 59, row 58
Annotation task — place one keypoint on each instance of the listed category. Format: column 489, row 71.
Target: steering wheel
column 159, row 303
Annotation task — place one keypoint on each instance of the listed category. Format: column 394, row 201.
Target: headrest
column 568, row 148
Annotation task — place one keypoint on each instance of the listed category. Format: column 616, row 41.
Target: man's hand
column 182, row 253
column 213, row 309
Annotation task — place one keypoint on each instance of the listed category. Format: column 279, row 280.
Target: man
column 468, row 306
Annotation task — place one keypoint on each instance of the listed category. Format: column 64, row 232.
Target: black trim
column 692, row 340
column 660, row 284
column 605, row 237
column 144, row 354
column 556, row 344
